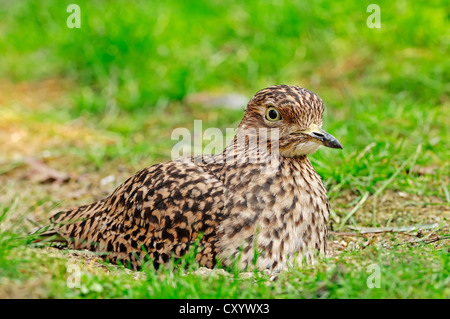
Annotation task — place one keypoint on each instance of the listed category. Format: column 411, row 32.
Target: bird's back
column 160, row 211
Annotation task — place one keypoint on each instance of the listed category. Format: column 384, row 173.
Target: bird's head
column 296, row 113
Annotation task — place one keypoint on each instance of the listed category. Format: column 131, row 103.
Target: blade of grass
column 354, row 210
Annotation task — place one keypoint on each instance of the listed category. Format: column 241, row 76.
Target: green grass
column 103, row 100
column 405, row 272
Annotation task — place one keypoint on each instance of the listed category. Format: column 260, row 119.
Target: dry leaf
column 425, row 170
column 40, row 172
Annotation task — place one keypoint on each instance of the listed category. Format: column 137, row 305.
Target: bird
column 258, row 204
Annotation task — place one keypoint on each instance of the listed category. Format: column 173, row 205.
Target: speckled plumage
column 248, row 197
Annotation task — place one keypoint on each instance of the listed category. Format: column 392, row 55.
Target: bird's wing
column 161, row 210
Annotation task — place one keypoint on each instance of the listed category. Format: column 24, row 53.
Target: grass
column 406, row 272
column 103, row 100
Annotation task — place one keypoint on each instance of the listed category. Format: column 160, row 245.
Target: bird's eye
column 272, row 114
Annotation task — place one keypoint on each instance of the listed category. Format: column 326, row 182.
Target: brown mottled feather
column 236, row 206
column 160, row 210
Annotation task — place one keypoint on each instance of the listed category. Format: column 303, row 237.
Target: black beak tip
column 327, row 139
column 332, row 143
column 337, row 146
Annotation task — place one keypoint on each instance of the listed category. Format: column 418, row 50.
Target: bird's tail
column 58, row 230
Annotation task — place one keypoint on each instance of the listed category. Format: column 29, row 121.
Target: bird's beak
column 325, row 138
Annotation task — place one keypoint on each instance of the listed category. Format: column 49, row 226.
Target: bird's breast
column 282, row 213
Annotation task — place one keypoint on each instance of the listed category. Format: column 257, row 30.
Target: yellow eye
column 272, row 114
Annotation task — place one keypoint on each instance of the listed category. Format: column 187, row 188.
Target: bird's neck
column 264, row 160
column 252, row 146
column 252, row 150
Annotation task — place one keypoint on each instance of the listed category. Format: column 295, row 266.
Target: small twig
column 427, row 241
column 338, row 233
column 374, row 230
